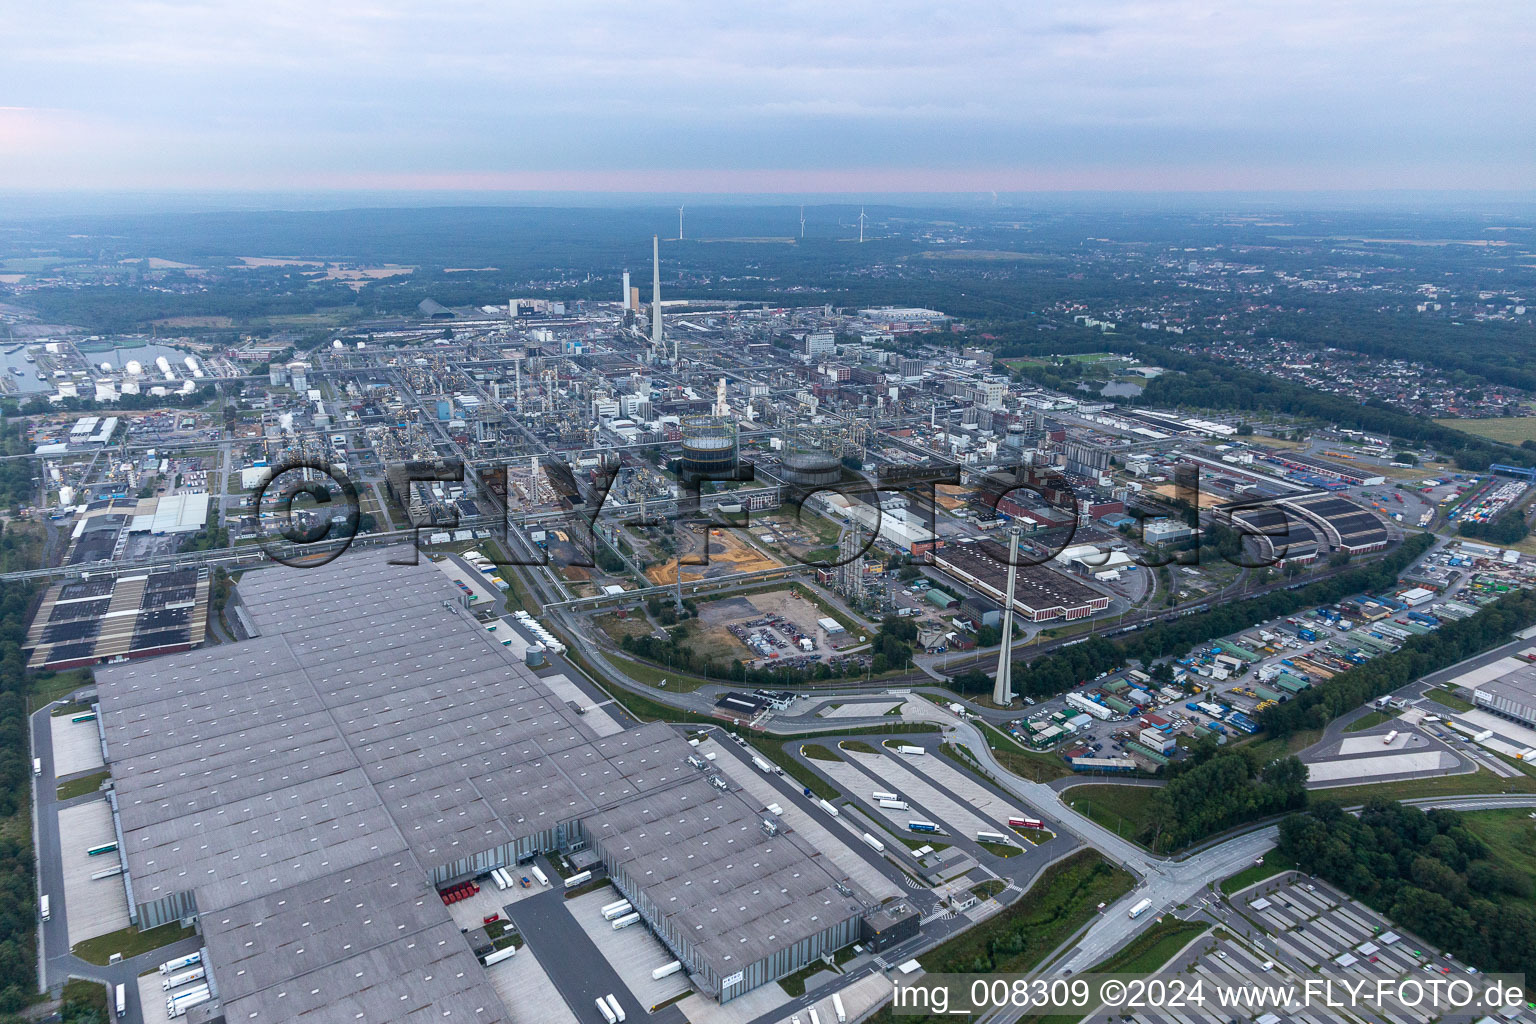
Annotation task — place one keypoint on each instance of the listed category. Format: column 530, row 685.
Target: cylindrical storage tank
column 709, row 448
column 811, row 469
column 534, row 658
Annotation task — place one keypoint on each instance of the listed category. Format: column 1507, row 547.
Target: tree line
column 1420, row 655
column 1428, row 872
column 1211, row 384
column 1214, row 789
column 18, row 882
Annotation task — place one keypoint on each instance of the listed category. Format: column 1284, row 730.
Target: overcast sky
column 844, row 96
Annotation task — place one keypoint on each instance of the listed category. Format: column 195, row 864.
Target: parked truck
column 500, row 955
column 762, row 765
column 626, row 921
column 614, row 911
column 184, row 978
column 538, row 873
column 1141, row 907
column 894, row 805
column 666, row 969
column 181, row 963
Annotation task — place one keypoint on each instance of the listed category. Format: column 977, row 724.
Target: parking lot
column 634, row 952
column 832, row 840
column 893, row 774
column 76, row 746
column 1291, row 928
column 526, row 991
column 93, row 906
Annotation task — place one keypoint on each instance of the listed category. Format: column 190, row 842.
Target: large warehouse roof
column 373, row 721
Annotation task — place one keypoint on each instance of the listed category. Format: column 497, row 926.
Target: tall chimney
column 656, row 295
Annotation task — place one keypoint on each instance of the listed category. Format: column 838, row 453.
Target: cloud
column 212, row 94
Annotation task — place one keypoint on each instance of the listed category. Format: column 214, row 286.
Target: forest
column 1211, row 384
column 1426, row 871
column 18, row 887
column 1213, row 790
column 1420, row 655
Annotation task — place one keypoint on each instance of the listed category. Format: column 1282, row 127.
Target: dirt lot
column 728, row 554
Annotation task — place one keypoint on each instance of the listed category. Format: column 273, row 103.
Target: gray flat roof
column 375, row 732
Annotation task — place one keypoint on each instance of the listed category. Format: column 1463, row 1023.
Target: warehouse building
column 1346, row 526
column 1040, row 593
column 1511, row 695
column 87, row 621
column 372, row 734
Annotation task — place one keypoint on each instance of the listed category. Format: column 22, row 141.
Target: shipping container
column 613, row 1004
column 608, row 1016
column 666, row 969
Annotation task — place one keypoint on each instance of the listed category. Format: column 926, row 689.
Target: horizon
column 862, row 99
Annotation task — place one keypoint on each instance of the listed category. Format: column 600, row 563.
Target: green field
column 1065, row 897
column 1370, row 720
column 1447, row 698
column 1510, row 430
column 1268, row 748
column 1511, row 836
column 1124, row 810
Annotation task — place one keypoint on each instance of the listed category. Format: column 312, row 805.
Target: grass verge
column 83, row 785
column 1370, row 720
column 1441, row 785
column 1274, row 862
column 1124, row 810
column 1065, row 897
column 130, row 942
column 1447, row 698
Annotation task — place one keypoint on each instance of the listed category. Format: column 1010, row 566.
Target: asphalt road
column 55, row 962
column 579, row 971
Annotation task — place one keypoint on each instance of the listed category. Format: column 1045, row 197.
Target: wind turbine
column 802, row 222
column 679, row 223
column 861, row 224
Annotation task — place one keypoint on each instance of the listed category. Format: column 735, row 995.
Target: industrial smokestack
column 625, row 300
column 656, row 294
